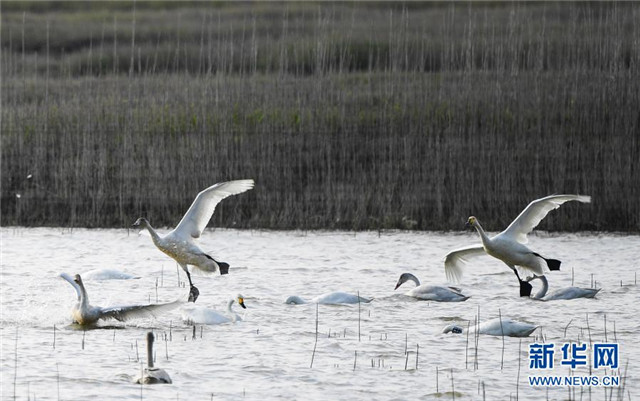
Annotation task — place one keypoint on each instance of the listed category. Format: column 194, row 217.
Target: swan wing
column 455, row 261
column 201, row 210
column 533, row 214
column 138, row 311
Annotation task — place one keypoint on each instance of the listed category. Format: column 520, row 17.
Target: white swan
column 180, row 243
column 431, row 292
column 511, row 328
column 331, row 298
column 192, row 314
column 508, row 246
column 151, row 374
column 83, row 313
column 561, row 294
column 107, row 274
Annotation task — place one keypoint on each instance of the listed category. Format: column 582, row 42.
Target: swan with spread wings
column 180, row 244
column 509, row 245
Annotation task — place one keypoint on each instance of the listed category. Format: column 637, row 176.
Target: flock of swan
column 180, row 244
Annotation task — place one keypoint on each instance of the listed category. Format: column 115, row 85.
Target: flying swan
column 331, row 298
column 180, row 244
column 192, row 314
column 493, row 327
column 151, row 374
column 431, row 292
column 84, row 313
column 563, row 293
column 509, row 245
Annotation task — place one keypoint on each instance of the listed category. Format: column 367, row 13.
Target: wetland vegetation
column 347, row 115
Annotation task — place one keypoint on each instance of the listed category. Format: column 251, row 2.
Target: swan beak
column 241, row 302
column 397, row 285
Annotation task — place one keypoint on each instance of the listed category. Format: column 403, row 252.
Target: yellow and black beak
column 241, row 302
column 470, row 222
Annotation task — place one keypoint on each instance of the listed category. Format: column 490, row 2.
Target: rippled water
column 360, row 350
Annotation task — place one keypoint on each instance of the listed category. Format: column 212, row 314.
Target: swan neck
column 229, row 306
column 150, row 350
column 83, row 298
column 544, row 289
column 483, row 236
column 154, row 235
column 414, row 279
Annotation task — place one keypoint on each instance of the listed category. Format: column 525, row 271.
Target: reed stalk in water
column 518, row 376
column 315, row 344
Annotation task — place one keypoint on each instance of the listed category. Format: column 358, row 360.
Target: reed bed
column 348, row 116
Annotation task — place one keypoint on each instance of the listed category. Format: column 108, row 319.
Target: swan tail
column 552, row 264
column 222, row 266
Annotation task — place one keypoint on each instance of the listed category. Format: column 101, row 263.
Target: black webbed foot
column 224, row 267
column 193, row 294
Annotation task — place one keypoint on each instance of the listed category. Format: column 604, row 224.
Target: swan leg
column 193, row 292
column 525, row 287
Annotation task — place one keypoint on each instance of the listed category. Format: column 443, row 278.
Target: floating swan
column 511, row 328
column 107, row 274
column 431, row 292
column 151, row 374
column 331, row 298
column 83, row 313
column 508, row 246
column 180, row 244
column 192, row 314
column 563, row 293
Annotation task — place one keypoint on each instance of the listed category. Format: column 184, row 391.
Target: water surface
column 360, row 351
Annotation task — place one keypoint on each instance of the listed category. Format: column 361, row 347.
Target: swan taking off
column 151, row 374
column 493, row 327
column 561, row 294
column 331, row 298
column 431, row 292
column 192, row 314
column 83, row 313
column 508, row 246
column 180, row 244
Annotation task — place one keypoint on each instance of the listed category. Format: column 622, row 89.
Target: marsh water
column 365, row 351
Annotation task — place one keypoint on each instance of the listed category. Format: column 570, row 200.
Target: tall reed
column 348, row 116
